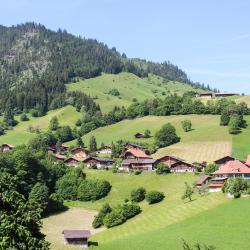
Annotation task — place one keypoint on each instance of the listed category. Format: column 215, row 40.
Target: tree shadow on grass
column 190, row 201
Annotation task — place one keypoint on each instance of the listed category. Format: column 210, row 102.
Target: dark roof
column 76, row 234
column 84, row 149
column 99, row 159
column 182, row 162
column 224, row 158
column 173, row 157
column 138, row 161
column 134, row 145
column 8, row 145
column 206, row 93
column 202, row 179
column 104, row 147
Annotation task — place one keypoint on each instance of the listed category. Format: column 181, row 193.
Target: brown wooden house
column 208, row 95
column 182, row 167
column 169, row 160
column 100, row 163
column 58, row 149
column 146, row 164
column 80, row 153
column 203, row 180
column 76, row 237
column 134, row 153
column 58, row 157
column 72, row 162
column 105, row 150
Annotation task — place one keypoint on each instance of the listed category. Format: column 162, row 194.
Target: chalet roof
column 59, row 157
column 137, row 153
column 225, row 94
column 224, row 158
column 173, row 157
column 100, row 159
column 203, row 179
column 8, row 145
column 138, row 161
column 233, row 167
column 181, row 162
column 134, row 145
column 104, row 147
column 206, row 93
column 72, row 158
column 76, row 234
column 79, row 148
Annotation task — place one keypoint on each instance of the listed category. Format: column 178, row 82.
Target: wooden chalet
column 6, row 147
column 225, row 94
column 203, row 180
column 224, row 160
column 105, row 150
column 58, row 149
column 139, row 135
column 58, row 157
column 217, row 183
column 133, row 145
column 80, row 153
column 100, row 163
column 208, row 95
column 76, row 237
column 72, row 162
column 169, row 160
column 135, row 153
column 182, row 167
column 146, row 164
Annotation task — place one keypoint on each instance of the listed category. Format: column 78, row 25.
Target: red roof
column 138, row 153
column 7, row 145
column 233, row 167
column 59, row 157
column 202, row 179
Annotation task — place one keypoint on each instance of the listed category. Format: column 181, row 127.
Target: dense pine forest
column 36, row 63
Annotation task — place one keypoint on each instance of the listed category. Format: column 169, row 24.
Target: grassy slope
column 207, row 140
column 245, row 99
column 20, row 135
column 129, row 86
column 153, row 217
column 226, row 227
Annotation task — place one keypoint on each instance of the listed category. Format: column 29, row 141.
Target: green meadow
column 153, row 218
column 130, row 87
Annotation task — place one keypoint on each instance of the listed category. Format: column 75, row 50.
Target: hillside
column 37, row 62
column 130, row 87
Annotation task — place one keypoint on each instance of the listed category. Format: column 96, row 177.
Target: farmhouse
column 104, row 150
column 208, row 95
column 225, row 94
column 133, row 145
column 134, row 153
column 169, row 160
column 203, row 180
column 224, row 160
column 139, row 135
column 58, row 149
column 147, row 164
column 231, row 169
column 182, row 167
column 58, row 157
column 7, row 147
column 72, row 162
column 80, row 153
column 99, row 162
column 77, row 237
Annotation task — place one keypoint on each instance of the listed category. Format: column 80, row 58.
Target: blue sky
column 208, row 39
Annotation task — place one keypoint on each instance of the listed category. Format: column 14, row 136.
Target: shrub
column 55, row 204
column 130, row 210
column 114, row 218
column 210, row 168
column 66, row 187
column 24, row 117
column 186, row 125
column 34, row 112
column 154, row 197
column 162, row 168
column 138, row 194
column 138, row 171
column 114, row 92
column 98, row 221
column 93, row 189
column 78, row 123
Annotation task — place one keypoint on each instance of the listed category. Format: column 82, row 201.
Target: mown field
column 170, row 211
column 20, row 134
column 207, row 141
column 130, row 86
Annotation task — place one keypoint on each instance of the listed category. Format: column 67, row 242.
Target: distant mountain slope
column 35, row 63
column 130, row 88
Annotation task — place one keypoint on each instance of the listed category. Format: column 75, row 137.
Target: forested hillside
column 36, row 63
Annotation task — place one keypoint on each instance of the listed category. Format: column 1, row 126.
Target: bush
column 98, row 221
column 210, row 168
column 138, row 194
column 154, row 197
column 34, row 112
column 55, row 204
column 138, row 171
column 24, row 117
column 66, row 187
column 162, row 169
column 130, row 210
column 114, row 92
column 186, row 125
column 78, row 123
column 93, row 189
column 114, row 218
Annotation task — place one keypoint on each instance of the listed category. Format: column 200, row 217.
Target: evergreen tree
column 92, row 144
column 54, row 123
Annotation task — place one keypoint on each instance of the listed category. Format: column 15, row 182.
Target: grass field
column 20, row 135
column 153, row 217
column 130, row 86
column 207, row 141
